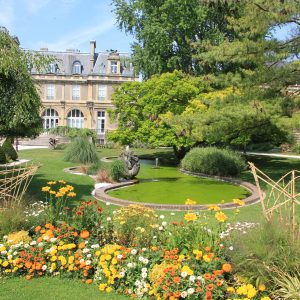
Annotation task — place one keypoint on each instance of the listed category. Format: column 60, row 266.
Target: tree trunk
column 180, row 152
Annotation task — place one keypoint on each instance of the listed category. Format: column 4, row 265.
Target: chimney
column 92, row 54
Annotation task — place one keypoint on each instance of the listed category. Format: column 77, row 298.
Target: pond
column 167, row 185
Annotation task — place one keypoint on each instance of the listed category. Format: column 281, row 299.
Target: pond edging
column 101, row 195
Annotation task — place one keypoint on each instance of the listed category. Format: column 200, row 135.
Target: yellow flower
column 190, row 217
column 5, row 264
column 206, row 258
column 58, row 195
column 46, row 188
column 102, row 286
column 251, row 293
column 187, row 270
column 238, row 202
column 262, row 287
column 198, row 254
column 108, row 289
column 190, row 202
column 230, row 290
column 51, row 182
column 62, row 181
column 70, row 188
column 71, row 194
column 52, row 192
column 220, row 216
column 214, row 207
column 265, row 298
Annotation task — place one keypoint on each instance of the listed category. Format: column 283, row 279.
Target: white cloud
column 77, row 38
column 7, row 14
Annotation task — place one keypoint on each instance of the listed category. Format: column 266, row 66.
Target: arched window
column 76, row 68
column 75, row 119
column 52, row 68
column 50, row 118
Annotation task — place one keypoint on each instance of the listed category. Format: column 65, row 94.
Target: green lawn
column 51, row 289
column 172, row 187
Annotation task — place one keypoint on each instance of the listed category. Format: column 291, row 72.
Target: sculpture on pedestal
column 131, row 162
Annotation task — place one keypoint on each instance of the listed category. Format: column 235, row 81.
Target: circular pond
column 167, row 185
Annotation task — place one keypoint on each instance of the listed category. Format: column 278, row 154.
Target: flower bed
column 133, row 251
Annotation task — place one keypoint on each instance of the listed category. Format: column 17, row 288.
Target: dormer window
column 114, row 67
column 76, row 68
column 52, row 68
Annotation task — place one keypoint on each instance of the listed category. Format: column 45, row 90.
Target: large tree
column 20, row 103
column 165, row 31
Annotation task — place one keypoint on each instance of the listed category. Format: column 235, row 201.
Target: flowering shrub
column 135, row 252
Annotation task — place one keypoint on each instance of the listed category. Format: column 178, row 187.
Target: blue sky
column 62, row 24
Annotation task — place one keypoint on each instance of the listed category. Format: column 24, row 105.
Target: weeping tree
column 20, row 103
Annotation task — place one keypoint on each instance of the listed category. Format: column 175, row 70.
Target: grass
column 51, row 289
column 172, row 187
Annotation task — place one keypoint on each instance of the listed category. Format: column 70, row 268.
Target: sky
column 62, row 24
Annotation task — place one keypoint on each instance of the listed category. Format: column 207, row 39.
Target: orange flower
column 176, row 279
column 84, row 234
column 28, row 264
column 28, row 277
column 207, row 249
column 81, row 245
column 88, row 281
column 227, row 268
column 206, row 276
column 37, row 228
column 210, row 287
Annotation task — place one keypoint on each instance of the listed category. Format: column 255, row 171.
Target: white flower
column 88, row 262
column 119, row 256
column 133, row 251
column 1, row 245
column 161, row 216
column 164, row 223
column 108, row 219
column 122, row 274
column 154, row 237
column 160, row 228
column 32, row 243
column 114, row 212
column 172, row 214
column 192, row 278
column 141, row 258
column 46, row 237
column 144, row 275
column 53, row 239
column 144, row 249
column 81, row 261
column 44, row 267
column 183, row 294
column 9, row 256
column 144, row 270
column 86, row 250
column 184, row 274
column 130, row 265
column 5, row 237
column 40, row 244
column 96, row 246
column 145, row 261
column 191, row 291
column 107, row 203
column 15, row 253
column 89, row 255
column 3, row 252
column 129, row 291
column 230, row 248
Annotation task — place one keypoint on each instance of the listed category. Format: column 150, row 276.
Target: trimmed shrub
column 213, row 161
column 9, row 149
column 2, row 156
column 81, row 150
column 117, row 170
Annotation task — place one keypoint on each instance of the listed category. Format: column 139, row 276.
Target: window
column 76, row 68
column 52, row 68
column 101, row 122
column 50, row 118
column 50, row 91
column 102, row 92
column 114, row 67
column 75, row 119
column 76, row 92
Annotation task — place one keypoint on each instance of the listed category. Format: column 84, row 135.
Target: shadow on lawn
column 34, row 192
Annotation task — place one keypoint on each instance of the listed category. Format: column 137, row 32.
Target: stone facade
column 76, row 89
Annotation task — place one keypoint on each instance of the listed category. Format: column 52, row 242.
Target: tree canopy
column 19, row 100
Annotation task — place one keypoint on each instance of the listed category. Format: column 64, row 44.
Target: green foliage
column 61, row 146
column 117, row 170
column 94, row 168
column 213, row 161
column 263, row 250
column 73, row 132
column 9, row 150
column 81, row 150
column 296, row 148
column 2, row 156
column 20, row 103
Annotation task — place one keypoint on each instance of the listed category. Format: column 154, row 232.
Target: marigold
column 190, row 217
column 227, row 268
column 84, row 234
column 190, row 202
column 46, row 188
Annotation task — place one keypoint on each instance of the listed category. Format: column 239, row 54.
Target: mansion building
column 77, row 87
